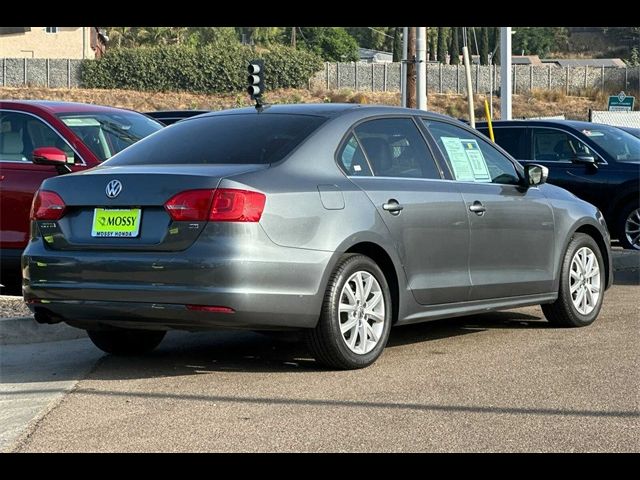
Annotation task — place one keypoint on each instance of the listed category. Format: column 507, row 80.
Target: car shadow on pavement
column 203, row 353
column 451, row 327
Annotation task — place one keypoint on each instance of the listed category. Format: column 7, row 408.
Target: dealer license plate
column 116, row 222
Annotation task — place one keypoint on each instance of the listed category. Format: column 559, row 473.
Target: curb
column 20, row 330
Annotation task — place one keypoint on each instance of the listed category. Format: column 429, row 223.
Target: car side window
column 352, row 159
column 470, row 157
column 20, row 134
column 551, row 145
column 395, row 148
column 513, row 140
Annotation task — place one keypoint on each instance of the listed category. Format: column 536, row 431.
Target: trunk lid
column 143, row 193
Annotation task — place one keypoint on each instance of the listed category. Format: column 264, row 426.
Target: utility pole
column 411, row 68
column 293, row 37
column 421, row 84
column 505, row 73
column 403, row 66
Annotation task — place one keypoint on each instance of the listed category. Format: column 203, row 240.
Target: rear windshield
column 241, row 138
column 106, row 133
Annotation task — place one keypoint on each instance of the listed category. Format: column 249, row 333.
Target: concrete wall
column 17, row 72
column 451, row 79
column 69, row 42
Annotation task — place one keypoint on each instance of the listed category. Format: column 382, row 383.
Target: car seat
column 12, row 147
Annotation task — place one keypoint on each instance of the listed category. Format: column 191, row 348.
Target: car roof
column 576, row 124
column 53, row 106
column 326, row 110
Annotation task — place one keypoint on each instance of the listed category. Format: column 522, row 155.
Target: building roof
column 586, row 62
column 525, row 60
column 370, row 53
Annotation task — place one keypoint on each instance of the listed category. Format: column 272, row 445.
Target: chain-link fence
column 618, row 119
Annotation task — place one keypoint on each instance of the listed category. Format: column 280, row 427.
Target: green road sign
column 620, row 103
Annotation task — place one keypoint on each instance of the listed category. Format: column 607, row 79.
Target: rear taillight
column 231, row 205
column 47, row 205
column 191, row 205
column 220, row 205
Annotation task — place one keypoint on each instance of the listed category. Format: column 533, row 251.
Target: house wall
column 69, row 42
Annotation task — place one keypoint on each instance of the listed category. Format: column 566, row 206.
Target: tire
column 125, row 341
column 629, row 213
column 327, row 342
column 564, row 312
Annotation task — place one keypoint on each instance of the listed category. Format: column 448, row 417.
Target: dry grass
column 532, row 104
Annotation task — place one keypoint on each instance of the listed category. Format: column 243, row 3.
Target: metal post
column 403, row 67
column 384, row 81
column 24, row 71
column 626, row 78
column 467, row 69
column 373, row 83
column 566, row 80
column 602, row 79
column 549, row 77
column 477, row 77
column 68, row 73
column 586, row 73
column 491, row 69
column 505, row 73
column 421, row 57
column 326, row 71
column 530, row 77
column 458, row 78
column 337, row 75
column 355, row 75
column 440, row 77
column 515, row 78
column 46, row 63
column 4, row 72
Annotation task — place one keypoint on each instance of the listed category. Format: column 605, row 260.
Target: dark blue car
column 598, row 163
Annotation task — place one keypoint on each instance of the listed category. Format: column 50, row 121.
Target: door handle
column 392, row 206
column 477, row 208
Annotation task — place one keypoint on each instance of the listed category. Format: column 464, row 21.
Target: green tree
column 454, row 50
column 538, row 40
column 442, row 44
column 484, row 46
column 331, row 43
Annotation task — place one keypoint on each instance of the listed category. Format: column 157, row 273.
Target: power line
column 380, row 31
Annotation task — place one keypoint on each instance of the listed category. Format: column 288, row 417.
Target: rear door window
column 395, row 148
column 352, row 159
column 513, row 140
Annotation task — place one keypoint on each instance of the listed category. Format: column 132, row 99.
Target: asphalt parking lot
column 503, row 381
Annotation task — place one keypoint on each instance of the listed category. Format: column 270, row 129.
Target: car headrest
column 378, row 152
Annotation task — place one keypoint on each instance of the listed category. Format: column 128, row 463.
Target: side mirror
column 585, row 158
column 535, row 174
column 51, row 156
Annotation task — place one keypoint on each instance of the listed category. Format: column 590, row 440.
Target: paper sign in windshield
column 467, row 162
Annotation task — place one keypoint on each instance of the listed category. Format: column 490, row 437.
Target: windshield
column 622, row 146
column 219, row 139
column 105, row 134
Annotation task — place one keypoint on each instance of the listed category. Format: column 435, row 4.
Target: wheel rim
column 632, row 228
column 584, row 280
column 362, row 312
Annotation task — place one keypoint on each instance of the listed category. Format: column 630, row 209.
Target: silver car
column 336, row 220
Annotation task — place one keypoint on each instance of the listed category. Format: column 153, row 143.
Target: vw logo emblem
column 114, row 187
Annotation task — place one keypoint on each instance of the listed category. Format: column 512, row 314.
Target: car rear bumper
column 266, row 285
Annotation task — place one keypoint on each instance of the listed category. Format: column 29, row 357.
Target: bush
column 217, row 68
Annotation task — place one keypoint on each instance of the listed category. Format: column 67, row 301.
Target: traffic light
column 256, row 80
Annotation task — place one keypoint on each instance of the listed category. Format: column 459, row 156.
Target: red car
column 40, row 139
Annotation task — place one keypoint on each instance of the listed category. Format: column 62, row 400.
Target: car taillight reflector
column 219, row 205
column 212, row 309
column 47, row 205
column 232, row 205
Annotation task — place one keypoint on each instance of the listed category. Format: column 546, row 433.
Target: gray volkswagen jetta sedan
column 336, row 220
